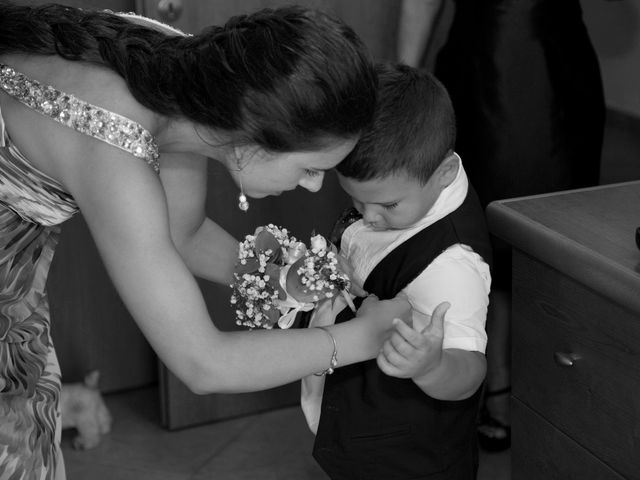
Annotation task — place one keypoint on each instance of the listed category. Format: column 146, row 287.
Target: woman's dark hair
column 413, row 131
column 284, row 79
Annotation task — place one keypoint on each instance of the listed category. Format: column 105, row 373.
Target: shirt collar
column 449, row 199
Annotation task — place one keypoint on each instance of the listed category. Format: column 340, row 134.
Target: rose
column 318, row 243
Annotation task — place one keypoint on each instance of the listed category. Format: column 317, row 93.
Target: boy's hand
column 409, row 352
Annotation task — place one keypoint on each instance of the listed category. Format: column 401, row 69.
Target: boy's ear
column 448, row 170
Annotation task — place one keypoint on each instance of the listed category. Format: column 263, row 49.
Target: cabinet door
column 541, row 451
column 575, row 362
column 90, row 326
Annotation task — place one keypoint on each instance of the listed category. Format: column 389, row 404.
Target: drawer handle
column 563, row 359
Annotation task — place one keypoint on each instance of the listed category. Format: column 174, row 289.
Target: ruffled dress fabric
column 32, row 206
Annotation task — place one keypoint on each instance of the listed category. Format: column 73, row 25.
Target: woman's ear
column 448, row 170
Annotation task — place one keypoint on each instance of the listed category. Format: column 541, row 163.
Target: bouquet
column 277, row 276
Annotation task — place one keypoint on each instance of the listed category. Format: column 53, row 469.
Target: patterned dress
column 32, row 206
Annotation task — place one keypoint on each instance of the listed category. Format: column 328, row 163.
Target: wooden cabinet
column 575, row 332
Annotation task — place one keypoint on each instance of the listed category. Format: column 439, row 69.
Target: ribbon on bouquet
column 289, row 307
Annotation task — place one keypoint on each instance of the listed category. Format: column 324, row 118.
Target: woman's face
column 263, row 174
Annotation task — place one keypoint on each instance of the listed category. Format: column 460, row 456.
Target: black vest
column 374, row 426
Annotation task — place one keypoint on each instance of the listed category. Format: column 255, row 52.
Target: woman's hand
column 382, row 312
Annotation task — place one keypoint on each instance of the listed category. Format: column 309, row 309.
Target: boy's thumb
column 437, row 318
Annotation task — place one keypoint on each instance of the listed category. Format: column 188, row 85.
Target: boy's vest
column 374, row 426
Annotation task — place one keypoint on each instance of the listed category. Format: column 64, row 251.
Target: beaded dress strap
column 82, row 116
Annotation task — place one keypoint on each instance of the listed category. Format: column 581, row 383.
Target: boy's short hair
column 413, row 131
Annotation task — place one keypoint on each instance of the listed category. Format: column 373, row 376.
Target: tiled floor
column 269, row 446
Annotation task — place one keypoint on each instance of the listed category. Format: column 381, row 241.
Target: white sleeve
column 459, row 276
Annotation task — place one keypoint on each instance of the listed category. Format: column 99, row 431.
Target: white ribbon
column 289, row 307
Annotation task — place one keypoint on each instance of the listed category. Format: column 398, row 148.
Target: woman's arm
column 124, row 205
column 415, row 29
column 208, row 250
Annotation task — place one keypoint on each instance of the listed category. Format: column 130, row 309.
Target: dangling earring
column 243, row 203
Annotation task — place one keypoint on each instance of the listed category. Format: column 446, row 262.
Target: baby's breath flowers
column 277, row 276
column 316, row 273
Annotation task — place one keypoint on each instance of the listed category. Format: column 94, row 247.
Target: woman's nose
column 313, row 184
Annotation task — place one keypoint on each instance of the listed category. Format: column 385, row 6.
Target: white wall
column 614, row 26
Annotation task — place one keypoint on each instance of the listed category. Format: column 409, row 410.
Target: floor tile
column 137, row 441
column 275, row 445
column 82, row 471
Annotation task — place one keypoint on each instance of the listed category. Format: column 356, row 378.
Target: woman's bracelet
column 334, row 356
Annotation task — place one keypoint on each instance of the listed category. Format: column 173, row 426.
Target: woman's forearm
column 262, row 359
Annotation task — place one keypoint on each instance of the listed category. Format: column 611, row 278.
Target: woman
column 526, row 87
column 117, row 118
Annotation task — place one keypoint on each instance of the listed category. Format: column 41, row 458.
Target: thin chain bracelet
column 334, row 356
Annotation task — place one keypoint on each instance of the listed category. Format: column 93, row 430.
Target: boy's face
column 394, row 202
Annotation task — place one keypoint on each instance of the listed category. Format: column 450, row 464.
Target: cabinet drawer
column 596, row 401
column 541, row 451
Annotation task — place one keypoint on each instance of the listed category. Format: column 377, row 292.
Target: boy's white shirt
column 458, row 275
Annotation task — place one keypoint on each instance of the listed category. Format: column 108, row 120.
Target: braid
column 281, row 79
column 89, row 36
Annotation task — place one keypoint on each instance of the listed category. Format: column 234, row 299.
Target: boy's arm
column 459, row 277
column 458, row 376
column 445, row 374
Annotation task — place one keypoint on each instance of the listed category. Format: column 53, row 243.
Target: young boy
column 417, row 228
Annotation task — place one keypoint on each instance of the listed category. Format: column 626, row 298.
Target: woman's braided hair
column 283, row 79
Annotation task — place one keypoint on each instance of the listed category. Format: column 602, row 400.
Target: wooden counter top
column 587, row 234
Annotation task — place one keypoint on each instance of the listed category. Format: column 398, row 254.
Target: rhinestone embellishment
column 84, row 117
